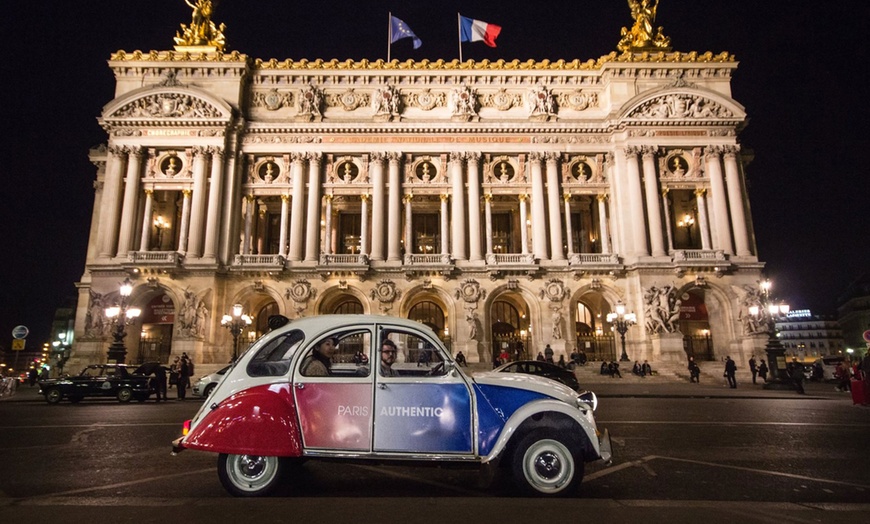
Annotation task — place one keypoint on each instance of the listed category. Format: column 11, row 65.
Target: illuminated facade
column 506, row 204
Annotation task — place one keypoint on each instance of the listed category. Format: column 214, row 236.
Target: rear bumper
column 178, row 446
column 605, row 449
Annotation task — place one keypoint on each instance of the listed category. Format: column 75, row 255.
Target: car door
column 420, row 408
column 335, row 411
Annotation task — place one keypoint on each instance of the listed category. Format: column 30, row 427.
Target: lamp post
column 236, row 323
column 61, row 351
column 687, row 222
column 122, row 315
column 621, row 322
column 767, row 312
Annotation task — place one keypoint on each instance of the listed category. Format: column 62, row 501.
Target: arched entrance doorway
column 695, row 325
column 347, row 306
column 155, row 337
column 261, row 319
column 432, row 314
column 509, row 330
column 593, row 338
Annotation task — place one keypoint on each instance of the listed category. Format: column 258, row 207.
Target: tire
column 53, row 396
column 545, row 465
column 125, row 394
column 208, row 389
column 249, row 475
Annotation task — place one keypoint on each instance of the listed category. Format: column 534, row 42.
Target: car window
column 344, row 347
column 416, row 356
column 273, row 359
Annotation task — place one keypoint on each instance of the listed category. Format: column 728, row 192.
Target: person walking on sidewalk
column 730, row 371
column 762, row 371
column 694, row 371
column 796, row 372
column 753, row 368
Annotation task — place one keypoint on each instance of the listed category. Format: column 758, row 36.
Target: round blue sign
column 19, row 332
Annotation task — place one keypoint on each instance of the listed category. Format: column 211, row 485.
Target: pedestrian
column 730, row 371
column 614, row 369
column 843, row 377
column 158, row 383
column 540, row 357
column 762, row 370
column 692, row 367
column 183, row 377
column 646, row 369
column 173, row 372
column 796, row 373
column 32, row 375
column 562, row 364
column 753, row 368
column 460, row 359
column 548, row 354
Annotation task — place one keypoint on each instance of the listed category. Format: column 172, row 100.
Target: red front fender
column 257, row 421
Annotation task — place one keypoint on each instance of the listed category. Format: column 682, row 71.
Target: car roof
column 320, row 323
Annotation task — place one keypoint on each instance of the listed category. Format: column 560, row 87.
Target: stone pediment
column 683, row 106
column 171, row 106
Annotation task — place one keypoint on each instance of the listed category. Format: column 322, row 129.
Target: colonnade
column 635, row 201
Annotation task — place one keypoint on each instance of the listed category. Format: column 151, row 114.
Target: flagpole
column 389, row 33
column 459, row 34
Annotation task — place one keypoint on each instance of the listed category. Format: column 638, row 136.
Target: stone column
column 185, row 221
column 703, row 218
column 474, row 244
column 653, row 210
column 458, row 208
column 327, row 240
column 735, row 200
column 445, row 226
column 197, row 212
column 231, row 217
column 409, row 225
column 667, row 212
column 524, row 227
column 147, row 220
column 215, row 195
column 394, row 218
column 569, row 228
column 616, row 230
column 285, row 215
column 556, row 250
column 108, row 231
column 131, row 201
column 602, row 224
column 364, row 225
column 635, row 203
column 720, row 202
column 539, row 212
column 488, row 212
column 312, row 233
column 297, row 214
column 249, row 224
column 379, row 206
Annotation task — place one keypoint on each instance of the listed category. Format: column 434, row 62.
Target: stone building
column 506, row 204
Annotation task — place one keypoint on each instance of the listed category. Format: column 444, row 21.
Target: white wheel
column 249, row 475
column 546, row 466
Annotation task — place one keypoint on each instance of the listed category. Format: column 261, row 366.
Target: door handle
column 381, row 385
column 300, row 385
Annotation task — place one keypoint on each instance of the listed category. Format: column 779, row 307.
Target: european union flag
column 399, row 30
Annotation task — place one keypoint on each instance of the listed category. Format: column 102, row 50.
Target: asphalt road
column 678, row 458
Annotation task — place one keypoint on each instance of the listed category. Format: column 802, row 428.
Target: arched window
column 351, row 306
column 261, row 319
column 429, row 313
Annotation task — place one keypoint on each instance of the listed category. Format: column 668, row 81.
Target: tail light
column 186, row 428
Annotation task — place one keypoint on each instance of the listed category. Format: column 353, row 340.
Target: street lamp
column 766, row 314
column 687, row 222
column 236, row 323
column 122, row 315
column 61, row 350
column 621, row 322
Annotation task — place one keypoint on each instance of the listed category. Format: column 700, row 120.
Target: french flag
column 471, row 30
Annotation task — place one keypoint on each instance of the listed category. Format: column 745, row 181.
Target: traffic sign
column 18, row 344
column 19, row 332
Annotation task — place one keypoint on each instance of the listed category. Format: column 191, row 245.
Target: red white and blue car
column 271, row 411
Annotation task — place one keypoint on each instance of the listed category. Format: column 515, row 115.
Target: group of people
column 178, row 375
column 641, row 370
column 610, row 368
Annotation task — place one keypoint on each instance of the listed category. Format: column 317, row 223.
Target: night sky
column 802, row 78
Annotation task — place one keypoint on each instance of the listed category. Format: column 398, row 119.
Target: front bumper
column 605, row 448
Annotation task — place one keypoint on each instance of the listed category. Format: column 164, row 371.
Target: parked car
column 829, row 365
column 283, row 402
column 542, row 369
column 100, row 380
column 206, row 384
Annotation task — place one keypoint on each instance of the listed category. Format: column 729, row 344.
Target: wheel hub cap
column 548, row 465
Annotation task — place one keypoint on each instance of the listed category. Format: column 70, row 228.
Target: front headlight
column 587, row 400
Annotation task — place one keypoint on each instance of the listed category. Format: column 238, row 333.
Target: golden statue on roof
column 642, row 36
column 201, row 32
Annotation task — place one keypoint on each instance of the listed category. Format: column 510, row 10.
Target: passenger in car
column 388, row 358
column 319, row 362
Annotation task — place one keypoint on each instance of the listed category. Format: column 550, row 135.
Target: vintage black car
column 542, row 369
column 100, row 380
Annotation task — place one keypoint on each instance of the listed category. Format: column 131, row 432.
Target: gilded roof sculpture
column 201, row 32
column 642, row 36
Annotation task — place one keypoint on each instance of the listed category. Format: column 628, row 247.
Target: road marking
column 643, row 461
column 122, row 484
column 414, row 478
column 723, row 423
